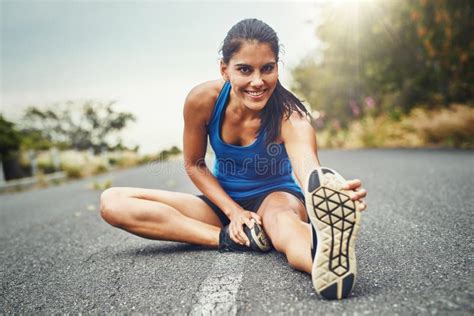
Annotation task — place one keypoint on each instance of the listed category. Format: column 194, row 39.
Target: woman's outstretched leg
column 332, row 264
column 162, row 215
column 284, row 217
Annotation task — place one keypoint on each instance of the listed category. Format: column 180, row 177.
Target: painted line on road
column 217, row 293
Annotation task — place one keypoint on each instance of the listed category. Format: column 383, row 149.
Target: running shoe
column 335, row 222
column 258, row 240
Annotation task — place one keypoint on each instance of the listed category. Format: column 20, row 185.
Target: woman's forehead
column 254, row 53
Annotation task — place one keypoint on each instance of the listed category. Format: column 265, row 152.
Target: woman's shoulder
column 296, row 117
column 201, row 99
column 296, row 122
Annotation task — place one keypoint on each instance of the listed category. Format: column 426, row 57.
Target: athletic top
column 246, row 171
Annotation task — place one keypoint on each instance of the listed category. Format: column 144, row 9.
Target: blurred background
column 91, row 86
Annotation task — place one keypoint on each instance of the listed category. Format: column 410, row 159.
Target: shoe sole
column 336, row 221
column 258, row 239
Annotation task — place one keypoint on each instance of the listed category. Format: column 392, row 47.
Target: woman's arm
column 197, row 112
column 301, row 145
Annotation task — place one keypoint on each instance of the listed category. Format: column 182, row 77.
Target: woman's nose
column 257, row 81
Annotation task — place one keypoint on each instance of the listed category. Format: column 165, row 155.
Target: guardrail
column 23, row 183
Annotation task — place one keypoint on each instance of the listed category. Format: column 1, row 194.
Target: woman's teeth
column 255, row 93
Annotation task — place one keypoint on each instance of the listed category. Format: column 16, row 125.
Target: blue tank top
column 246, row 171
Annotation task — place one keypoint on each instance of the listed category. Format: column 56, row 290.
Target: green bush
column 113, row 161
column 73, row 172
column 79, row 164
column 45, row 162
column 168, row 153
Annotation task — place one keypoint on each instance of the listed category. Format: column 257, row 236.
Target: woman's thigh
column 280, row 201
column 284, row 217
column 185, row 203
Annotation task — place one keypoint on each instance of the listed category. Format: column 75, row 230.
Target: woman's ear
column 223, row 69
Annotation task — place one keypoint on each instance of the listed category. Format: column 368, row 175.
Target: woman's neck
column 242, row 112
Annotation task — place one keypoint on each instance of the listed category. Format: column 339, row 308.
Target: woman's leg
column 160, row 214
column 284, row 217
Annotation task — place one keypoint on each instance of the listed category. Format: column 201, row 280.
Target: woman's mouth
column 255, row 94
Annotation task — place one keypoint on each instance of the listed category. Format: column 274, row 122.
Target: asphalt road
column 414, row 250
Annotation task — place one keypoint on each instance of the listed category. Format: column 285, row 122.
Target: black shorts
column 250, row 204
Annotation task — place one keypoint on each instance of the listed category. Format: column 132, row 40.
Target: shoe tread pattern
column 337, row 222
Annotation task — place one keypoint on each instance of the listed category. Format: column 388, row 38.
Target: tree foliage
column 89, row 125
column 10, row 137
column 13, row 139
column 389, row 55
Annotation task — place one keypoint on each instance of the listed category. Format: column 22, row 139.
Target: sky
column 146, row 55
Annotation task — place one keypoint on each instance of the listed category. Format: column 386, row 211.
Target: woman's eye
column 244, row 70
column 268, row 68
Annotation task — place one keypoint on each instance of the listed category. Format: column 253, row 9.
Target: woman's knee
column 109, row 206
column 278, row 217
column 278, row 224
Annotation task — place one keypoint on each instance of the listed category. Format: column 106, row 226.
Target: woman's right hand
column 239, row 218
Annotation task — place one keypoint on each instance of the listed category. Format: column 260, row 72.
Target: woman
column 261, row 136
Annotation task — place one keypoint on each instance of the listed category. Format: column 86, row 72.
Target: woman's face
column 253, row 74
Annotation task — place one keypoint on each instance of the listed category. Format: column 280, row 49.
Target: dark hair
column 282, row 102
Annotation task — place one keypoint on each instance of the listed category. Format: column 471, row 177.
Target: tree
column 89, row 125
column 387, row 55
column 10, row 137
column 11, row 141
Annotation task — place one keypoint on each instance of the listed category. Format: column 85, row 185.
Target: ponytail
column 280, row 106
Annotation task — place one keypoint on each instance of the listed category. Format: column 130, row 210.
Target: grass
column 101, row 185
column 451, row 127
column 80, row 164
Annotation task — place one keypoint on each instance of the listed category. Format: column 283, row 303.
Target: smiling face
column 253, row 74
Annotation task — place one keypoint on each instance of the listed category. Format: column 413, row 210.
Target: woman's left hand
column 357, row 194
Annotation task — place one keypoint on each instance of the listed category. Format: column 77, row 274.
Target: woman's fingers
column 236, row 229
column 249, row 222
column 257, row 218
column 254, row 216
column 238, row 234
column 357, row 195
column 352, row 184
column 234, row 234
column 361, row 205
column 242, row 237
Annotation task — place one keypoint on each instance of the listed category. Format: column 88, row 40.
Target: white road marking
column 217, row 293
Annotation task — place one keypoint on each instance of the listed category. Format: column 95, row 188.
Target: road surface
column 414, row 250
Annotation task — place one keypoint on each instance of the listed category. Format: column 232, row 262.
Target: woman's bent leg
column 160, row 214
column 283, row 217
